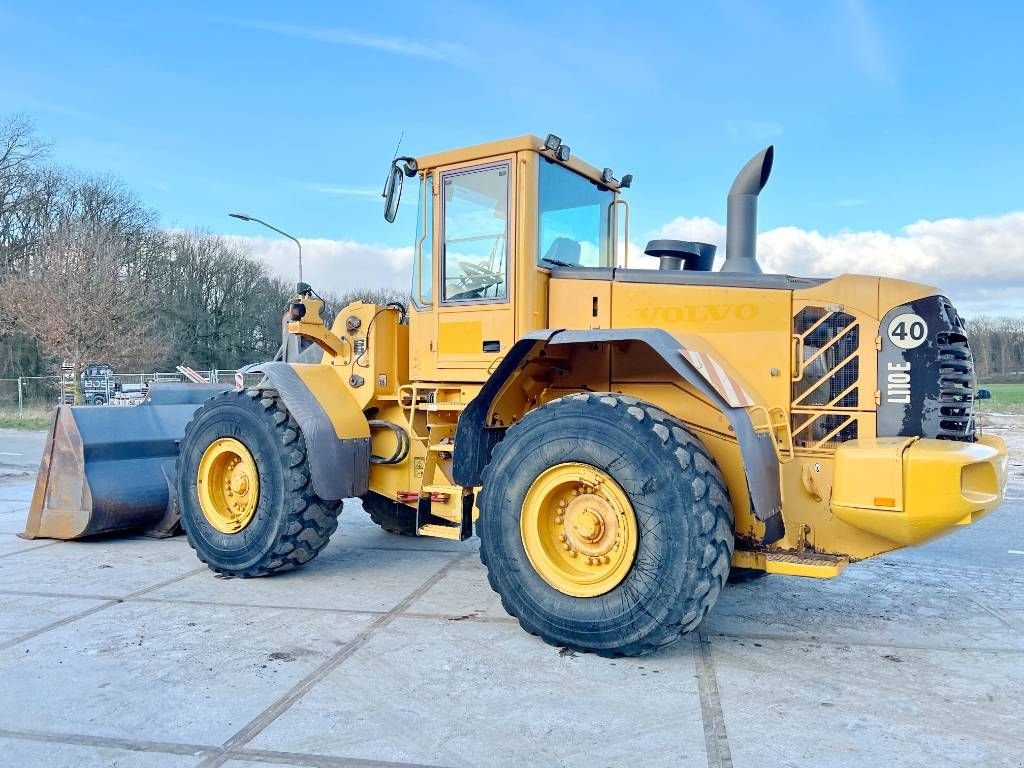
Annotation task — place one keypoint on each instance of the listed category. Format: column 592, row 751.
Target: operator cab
column 493, row 222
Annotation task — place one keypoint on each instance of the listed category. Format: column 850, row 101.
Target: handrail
column 615, row 232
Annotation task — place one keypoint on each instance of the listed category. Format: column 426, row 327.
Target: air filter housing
column 682, row 254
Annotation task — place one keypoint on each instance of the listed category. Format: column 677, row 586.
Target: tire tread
column 311, row 520
column 716, row 529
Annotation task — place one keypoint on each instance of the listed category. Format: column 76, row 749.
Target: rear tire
column 291, row 524
column 392, row 516
column 682, row 510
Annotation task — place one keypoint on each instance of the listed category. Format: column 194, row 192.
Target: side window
column 475, row 234
column 423, row 261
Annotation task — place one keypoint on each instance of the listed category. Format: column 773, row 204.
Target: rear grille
column 826, row 391
column 956, row 387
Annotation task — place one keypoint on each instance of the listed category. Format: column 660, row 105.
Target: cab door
column 476, row 292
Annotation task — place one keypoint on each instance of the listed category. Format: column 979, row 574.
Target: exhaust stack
column 741, row 215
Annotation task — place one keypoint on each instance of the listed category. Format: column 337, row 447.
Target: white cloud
column 334, row 266
column 367, row 193
column 979, row 262
column 436, row 50
column 866, row 41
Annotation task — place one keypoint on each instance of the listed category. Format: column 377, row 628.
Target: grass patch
column 30, row 418
column 1006, row 398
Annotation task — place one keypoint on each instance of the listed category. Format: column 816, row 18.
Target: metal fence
column 33, row 394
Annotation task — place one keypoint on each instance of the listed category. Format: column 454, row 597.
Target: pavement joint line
column 457, row 617
column 452, row 552
column 28, row 549
column 815, row 640
column 264, row 606
column 62, row 595
column 716, row 742
column 319, row 761
column 263, row 720
column 996, row 613
column 132, row 745
column 95, row 609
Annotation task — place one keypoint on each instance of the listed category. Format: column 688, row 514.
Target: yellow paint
column 747, row 329
column 943, row 483
column 486, row 152
column 790, row 564
column 345, row 415
column 581, row 304
column 228, row 482
column 312, row 326
column 579, row 530
column 460, row 337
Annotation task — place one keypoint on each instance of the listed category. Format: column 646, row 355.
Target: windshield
column 575, row 221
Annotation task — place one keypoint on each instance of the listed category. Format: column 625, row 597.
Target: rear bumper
column 910, row 490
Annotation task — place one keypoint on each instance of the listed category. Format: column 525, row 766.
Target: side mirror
column 983, row 394
column 393, row 193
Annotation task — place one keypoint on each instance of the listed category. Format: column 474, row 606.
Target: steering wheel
column 475, row 281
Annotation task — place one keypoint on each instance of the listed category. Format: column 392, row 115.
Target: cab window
column 423, row 263
column 475, row 241
column 575, row 219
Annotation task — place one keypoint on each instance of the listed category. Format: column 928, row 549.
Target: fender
column 336, row 432
column 474, row 439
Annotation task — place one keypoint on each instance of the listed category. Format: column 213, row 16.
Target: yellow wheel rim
column 229, row 485
column 579, row 530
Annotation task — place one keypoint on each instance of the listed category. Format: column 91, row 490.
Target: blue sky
column 883, row 114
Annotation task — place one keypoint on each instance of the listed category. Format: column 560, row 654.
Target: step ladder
column 443, row 509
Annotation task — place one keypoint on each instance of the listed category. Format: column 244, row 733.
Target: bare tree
column 83, row 302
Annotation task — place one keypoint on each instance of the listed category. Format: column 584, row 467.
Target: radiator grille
column 826, row 391
column 956, row 387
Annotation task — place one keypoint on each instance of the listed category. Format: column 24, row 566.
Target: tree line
column 998, row 346
column 88, row 275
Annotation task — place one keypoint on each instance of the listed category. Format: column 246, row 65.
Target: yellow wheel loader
column 618, row 437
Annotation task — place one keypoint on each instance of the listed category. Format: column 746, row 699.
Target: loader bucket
column 110, row 469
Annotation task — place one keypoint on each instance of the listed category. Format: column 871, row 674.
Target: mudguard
column 336, row 432
column 475, row 440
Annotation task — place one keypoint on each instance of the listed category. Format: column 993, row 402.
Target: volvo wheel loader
column 618, row 437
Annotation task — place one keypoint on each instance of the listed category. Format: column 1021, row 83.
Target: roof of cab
column 502, row 147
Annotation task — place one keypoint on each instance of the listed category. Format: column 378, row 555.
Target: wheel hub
column 228, row 484
column 579, row 530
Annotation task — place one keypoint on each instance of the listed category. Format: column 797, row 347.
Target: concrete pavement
column 389, row 651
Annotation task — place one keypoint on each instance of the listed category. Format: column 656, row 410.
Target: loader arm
column 336, row 432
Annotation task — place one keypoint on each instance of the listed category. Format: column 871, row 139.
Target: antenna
column 398, row 145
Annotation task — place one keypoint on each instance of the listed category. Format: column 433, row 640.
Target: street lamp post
column 247, row 217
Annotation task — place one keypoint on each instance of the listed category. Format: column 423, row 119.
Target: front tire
column 286, row 525
column 674, row 491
